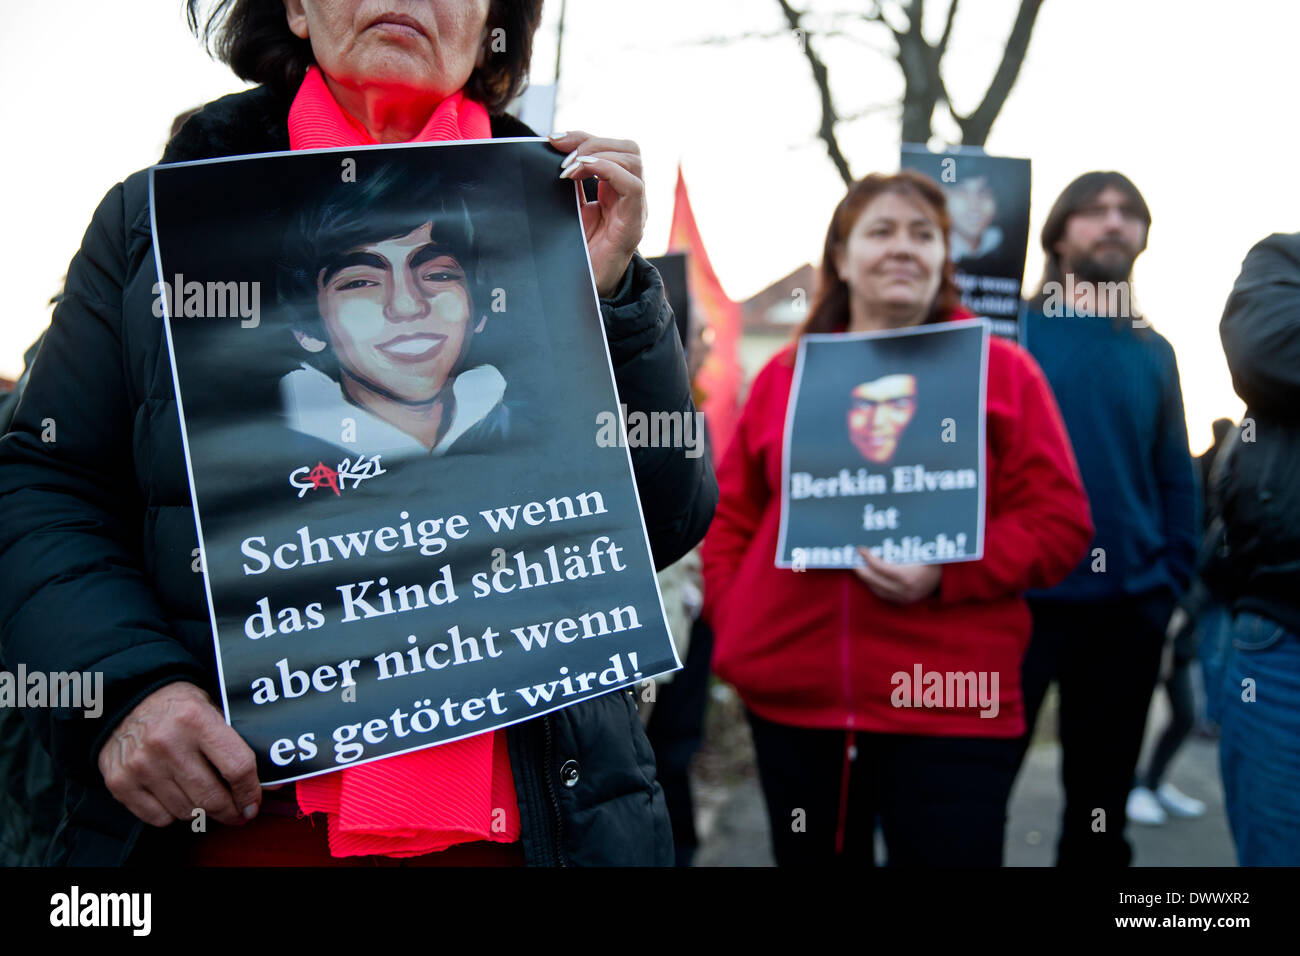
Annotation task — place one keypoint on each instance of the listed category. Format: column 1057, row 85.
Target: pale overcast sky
column 1192, row 99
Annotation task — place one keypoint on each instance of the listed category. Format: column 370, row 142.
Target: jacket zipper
column 841, row 821
column 547, row 773
column 846, row 680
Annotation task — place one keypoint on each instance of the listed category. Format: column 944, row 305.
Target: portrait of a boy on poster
column 884, row 448
column 390, row 365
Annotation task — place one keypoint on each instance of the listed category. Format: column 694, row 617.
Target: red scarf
column 316, row 121
column 427, row 800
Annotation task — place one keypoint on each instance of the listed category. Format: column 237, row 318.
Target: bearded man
column 1100, row 633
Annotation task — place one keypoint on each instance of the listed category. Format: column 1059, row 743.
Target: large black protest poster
column 884, row 447
column 988, row 206
column 391, row 372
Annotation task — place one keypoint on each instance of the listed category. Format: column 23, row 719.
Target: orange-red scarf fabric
column 316, row 121
column 428, row 800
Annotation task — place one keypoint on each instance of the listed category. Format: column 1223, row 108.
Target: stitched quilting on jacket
column 97, row 534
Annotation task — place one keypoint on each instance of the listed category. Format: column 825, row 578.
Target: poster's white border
column 185, row 441
column 189, row 466
column 884, row 334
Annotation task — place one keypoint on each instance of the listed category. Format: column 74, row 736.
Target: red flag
column 718, row 381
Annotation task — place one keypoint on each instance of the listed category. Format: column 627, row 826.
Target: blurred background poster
column 988, row 201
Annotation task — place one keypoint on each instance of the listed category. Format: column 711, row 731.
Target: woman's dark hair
column 385, row 204
column 253, row 38
column 830, row 308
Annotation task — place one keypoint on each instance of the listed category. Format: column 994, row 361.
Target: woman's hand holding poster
column 390, row 365
column 884, row 448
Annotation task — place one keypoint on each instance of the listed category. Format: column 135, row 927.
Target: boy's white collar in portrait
column 314, row 405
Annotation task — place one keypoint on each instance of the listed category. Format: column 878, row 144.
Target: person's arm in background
column 742, row 499
column 1260, row 331
column 75, row 596
column 677, row 487
column 1176, row 480
column 1038, row 525
column 1260, row 328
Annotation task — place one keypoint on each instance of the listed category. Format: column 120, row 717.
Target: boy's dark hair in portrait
column 383, row 204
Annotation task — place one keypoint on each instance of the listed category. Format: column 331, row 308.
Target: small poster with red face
column 884, row 448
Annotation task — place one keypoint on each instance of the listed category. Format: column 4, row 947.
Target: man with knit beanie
column 1099, row 634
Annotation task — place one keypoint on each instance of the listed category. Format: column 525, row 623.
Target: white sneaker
column 1178, row 803
column 1144, row 808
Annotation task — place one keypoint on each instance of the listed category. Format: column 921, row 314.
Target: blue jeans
column 1215, row 625
column 1259, row 743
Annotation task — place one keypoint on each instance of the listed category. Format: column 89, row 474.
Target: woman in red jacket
column 814, row 654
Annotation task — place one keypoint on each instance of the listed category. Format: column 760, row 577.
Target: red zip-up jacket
column 817, row 648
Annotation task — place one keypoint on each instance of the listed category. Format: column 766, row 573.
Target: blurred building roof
column 777, row 309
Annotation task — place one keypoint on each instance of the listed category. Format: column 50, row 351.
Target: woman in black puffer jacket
column 97, row 536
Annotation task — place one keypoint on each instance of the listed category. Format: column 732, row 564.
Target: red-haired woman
column 813, row 653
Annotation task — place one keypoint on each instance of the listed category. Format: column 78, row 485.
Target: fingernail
column 570, row 158
column 557, row 136
column 250, row 811
column 568, row 171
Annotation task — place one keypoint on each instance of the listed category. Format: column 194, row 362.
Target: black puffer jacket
column 97, row 534
column 1259, row 564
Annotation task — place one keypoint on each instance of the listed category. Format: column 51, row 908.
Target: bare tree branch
column 920, row 63
column 729, row 40
column 851, row 36
column 975, row 127
column 877, row 13
column 942, row 46
column 872, row 110
column 822, row 78
column 920, row 77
